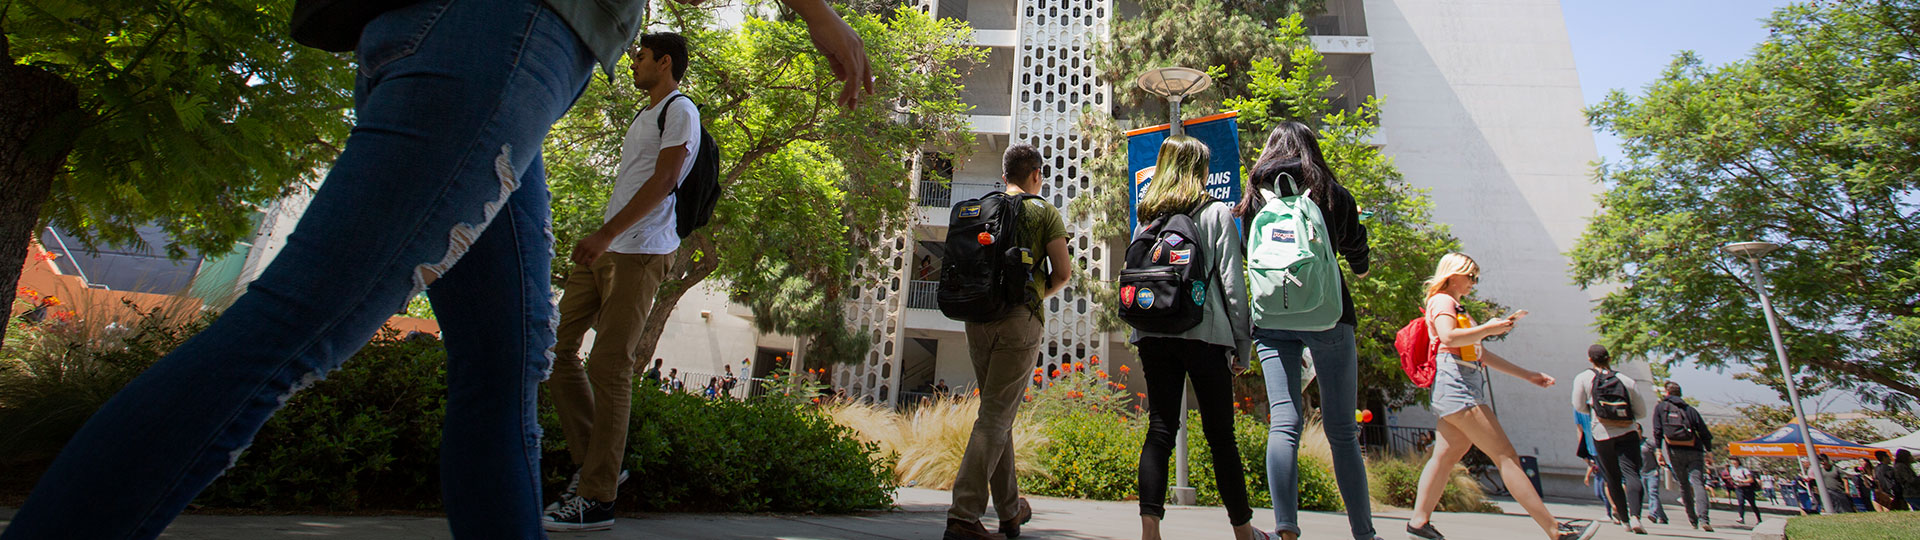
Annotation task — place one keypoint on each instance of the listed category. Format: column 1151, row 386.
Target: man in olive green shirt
column 1004, row 352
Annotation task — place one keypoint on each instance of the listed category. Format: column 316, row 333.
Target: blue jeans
column 1651, row 481
column 440, row 183
column 1337, row 364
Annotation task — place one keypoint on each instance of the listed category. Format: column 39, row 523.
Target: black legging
column 1168, row 363
column 1623, row 490
column 1746, row 494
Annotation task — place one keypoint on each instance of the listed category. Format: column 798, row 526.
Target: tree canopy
column 808, row 188
column 1282, row 78
column 183, row 112
column 1812, row 142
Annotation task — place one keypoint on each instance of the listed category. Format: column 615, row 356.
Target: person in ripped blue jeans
column 440, row 188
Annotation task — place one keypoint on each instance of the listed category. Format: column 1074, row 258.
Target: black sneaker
column 580, row 514
column 1425, row 532
column 573, row 490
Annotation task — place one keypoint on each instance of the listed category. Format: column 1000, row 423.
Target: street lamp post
column 1753, row 251
column 1175, row 84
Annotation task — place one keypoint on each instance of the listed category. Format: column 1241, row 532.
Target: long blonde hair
column 1453, row 264
column 1179, row 179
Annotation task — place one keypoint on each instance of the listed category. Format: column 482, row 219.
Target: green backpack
column 1291, row 269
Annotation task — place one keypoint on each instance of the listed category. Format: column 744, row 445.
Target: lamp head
column 1751, row 250
column 1173, row 82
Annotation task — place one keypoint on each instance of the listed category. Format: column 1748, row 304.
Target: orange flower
column 51, row 301
column 1096, row 359
column 1038, row 372
column 63, row 316
column 1143, row 395
column 1056, row 373
column 1125, row 369
column 1100, row 372
column 27, row 292
column 1036, row 379
column 976, row 391
column 1120, row 386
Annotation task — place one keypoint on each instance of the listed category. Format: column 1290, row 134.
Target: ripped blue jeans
column 439, row 188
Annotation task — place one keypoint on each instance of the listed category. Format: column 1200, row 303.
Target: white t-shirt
column 654, row 234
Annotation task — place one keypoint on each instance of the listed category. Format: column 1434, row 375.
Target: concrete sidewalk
column 921, row 515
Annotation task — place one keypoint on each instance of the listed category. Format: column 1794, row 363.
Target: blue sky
column 1626, row 44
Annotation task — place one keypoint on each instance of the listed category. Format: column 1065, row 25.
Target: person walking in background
column 1003, row 353
column 439, row 187
column 728, row 381
column 1291, row 166
column 1651, row 466
column 1684, row 436
column 1909, row 482
column 1745, row 486
column 1594, row 472
column 652, row 377
column 1768, row 485
column 1836, row 482
column 1208, row 353
column 1617, row 407
column 1886, row 484
column 1460, row 401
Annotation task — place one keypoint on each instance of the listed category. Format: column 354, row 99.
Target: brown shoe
column 958, row 529
column 1022, row 514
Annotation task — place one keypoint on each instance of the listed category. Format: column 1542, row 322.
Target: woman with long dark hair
column 1290, row 165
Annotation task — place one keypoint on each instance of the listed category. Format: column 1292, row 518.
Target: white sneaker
column 1636, row 527
column 573, row 489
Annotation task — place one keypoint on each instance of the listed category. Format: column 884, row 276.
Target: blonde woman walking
column 1459, row 400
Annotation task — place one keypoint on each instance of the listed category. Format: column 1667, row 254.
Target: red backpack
column 1416, row 350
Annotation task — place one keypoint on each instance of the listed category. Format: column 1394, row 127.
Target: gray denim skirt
column 1457, row 386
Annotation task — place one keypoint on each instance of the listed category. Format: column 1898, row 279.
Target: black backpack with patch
column 1610, row 400
column 1676, row 426
column 1163, row 287
column 697, row 194
column 988, row 265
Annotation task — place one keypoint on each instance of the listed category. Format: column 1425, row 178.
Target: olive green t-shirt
column 1040, row 223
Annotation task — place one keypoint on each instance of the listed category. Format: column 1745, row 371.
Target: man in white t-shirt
column 1617, row 441
column 616, row 272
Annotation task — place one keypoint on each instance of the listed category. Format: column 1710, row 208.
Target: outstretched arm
column 1501, row 364
column 846, row 54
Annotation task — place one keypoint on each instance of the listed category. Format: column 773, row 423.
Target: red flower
column 1056, row 373
column 1036, row 380
column 1095, row 360
column 1038, row 372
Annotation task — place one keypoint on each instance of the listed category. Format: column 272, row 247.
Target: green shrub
column 1396, row 482
column 690, row 454
column 1096, row 456
column 366, row 437
column 55, row 374
column 1089, row 455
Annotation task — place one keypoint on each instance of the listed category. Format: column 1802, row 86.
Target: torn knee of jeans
column 299, row 385
column 463, row 235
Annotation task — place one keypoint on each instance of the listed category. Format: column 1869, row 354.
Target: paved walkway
column 921, row 515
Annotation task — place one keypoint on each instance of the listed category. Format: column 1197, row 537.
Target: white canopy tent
column 1911, row 442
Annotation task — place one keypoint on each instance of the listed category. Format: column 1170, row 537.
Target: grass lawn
column 1864, row 526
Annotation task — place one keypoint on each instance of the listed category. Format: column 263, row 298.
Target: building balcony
column 937, row 198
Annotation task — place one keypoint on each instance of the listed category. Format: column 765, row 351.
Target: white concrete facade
column 1482, row 107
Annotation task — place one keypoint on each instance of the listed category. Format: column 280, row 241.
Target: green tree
column 809, row 189
column 124, row 113
column 1813, row 142
column 1291, row 84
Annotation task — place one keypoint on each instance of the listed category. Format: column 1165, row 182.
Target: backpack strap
column 660, row 121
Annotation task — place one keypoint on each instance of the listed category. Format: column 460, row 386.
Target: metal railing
column 939, row 194
column 696, row 383
column 923, row 294
column 1396, row 440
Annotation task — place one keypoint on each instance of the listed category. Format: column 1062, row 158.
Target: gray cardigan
column 1228, row 318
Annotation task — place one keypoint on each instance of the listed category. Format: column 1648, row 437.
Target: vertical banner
column 1220, row 132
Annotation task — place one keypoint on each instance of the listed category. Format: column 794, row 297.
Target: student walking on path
column 1745, row 486
column 1004, row 351
column 1617, row 407
column 1459, row 400
column 1652, row 464
column 1292, row 178
column 1684, row 435
column 440, row 188
column 1208, row 353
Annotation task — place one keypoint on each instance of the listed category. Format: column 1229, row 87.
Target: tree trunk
column 685, row 273
column 32, row 100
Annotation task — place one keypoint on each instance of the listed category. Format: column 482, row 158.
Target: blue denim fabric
column 453, row 100
column 1651, row 481
column 1337, row 364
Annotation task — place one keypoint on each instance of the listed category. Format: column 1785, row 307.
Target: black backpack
column 1610, row 399
column 988, row 264
column 1676, row 426
column 1163, row 287
column 696, row 195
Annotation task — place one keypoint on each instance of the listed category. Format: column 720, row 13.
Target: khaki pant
column 594, row 401
column 1004, row 353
